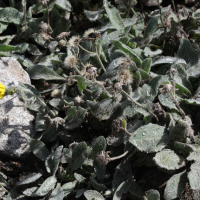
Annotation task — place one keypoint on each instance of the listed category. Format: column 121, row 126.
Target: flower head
column 2, row 90
column 172, row 71
column 74, row 41
column 78, row 100
column 125, row 77
column 166, row 88
column 43, row 2
column 102, row 158
column 90, row 71
column 91, row 34
column 70, row 61
column 63, row 35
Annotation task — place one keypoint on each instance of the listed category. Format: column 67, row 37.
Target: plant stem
column 3, row 188
column 177, row 105
column 173, row 82
column 118, row 157
column 138, row 104
column 47, row 13
column 123, row 129
column 103, row 88
column 25, row 14
column 86, row 50
column 99, row 58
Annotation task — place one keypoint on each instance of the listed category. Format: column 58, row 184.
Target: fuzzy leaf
column 43, row 72
column 151, row 27
column 194, row 175
column 153, row 195
column 92, row 15
column 11, row 15
column 53, row 160
column 39, row 149
column 187, row 52
column 98, row 145
column 69, row 187
column 122, row 189
column 168, row 159
column 46, row 186
column 29, row 179
column 57, row 193
column 146, row 65
column 136, row 190
column 103, row 109
column 93, row 194
column 167, row 59
column 128, row 51
column 113, row 15
column 150, row 138
column 74, row 118
column 175, row 186
column 78, row 156
column 63, row 4
column 167, row 101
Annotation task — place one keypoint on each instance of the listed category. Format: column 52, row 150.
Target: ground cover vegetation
column 116, row 95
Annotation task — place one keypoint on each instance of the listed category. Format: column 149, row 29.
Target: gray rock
column 16, row 122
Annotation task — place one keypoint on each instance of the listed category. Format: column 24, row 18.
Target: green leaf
column 39, row 149
column 33, row 49
column 122, row 189
column 74, row 118
column 153, row 195
column 175, row 186
column 11, row 15
column 194, row 176
column 151, row 27
column 78, row 156
column 4, row 48
column 29, row 179
column 166, row 60
column 104, row 109
column 113, row 15
column 136, row 190
column 98, row 145
column 43, row 72
column 53, row 160
column 168, row 159
column 64, row 5
column 146, row 65
column 166, row 100
column 185, row 149
column 31, row 192
column 92, row 15
column 69, row 187
column 31, row 97
column 128, row 51
column 46, row 186
column 93, row 195
column 187, row 52
column 150, row 138
column 57, row 193
column 3, row 26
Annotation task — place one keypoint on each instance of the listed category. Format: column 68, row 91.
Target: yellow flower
column 2, row 90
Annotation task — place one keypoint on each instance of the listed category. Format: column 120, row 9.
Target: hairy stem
column 138, row 104
column 25, row 14
column 86, row 50
column 118, row 157
column 47, row 13
column 123, row 129
column 177, row 105
column 3, row 188
column 99, row 58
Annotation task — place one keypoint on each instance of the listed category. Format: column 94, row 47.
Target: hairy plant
column 115, row 88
